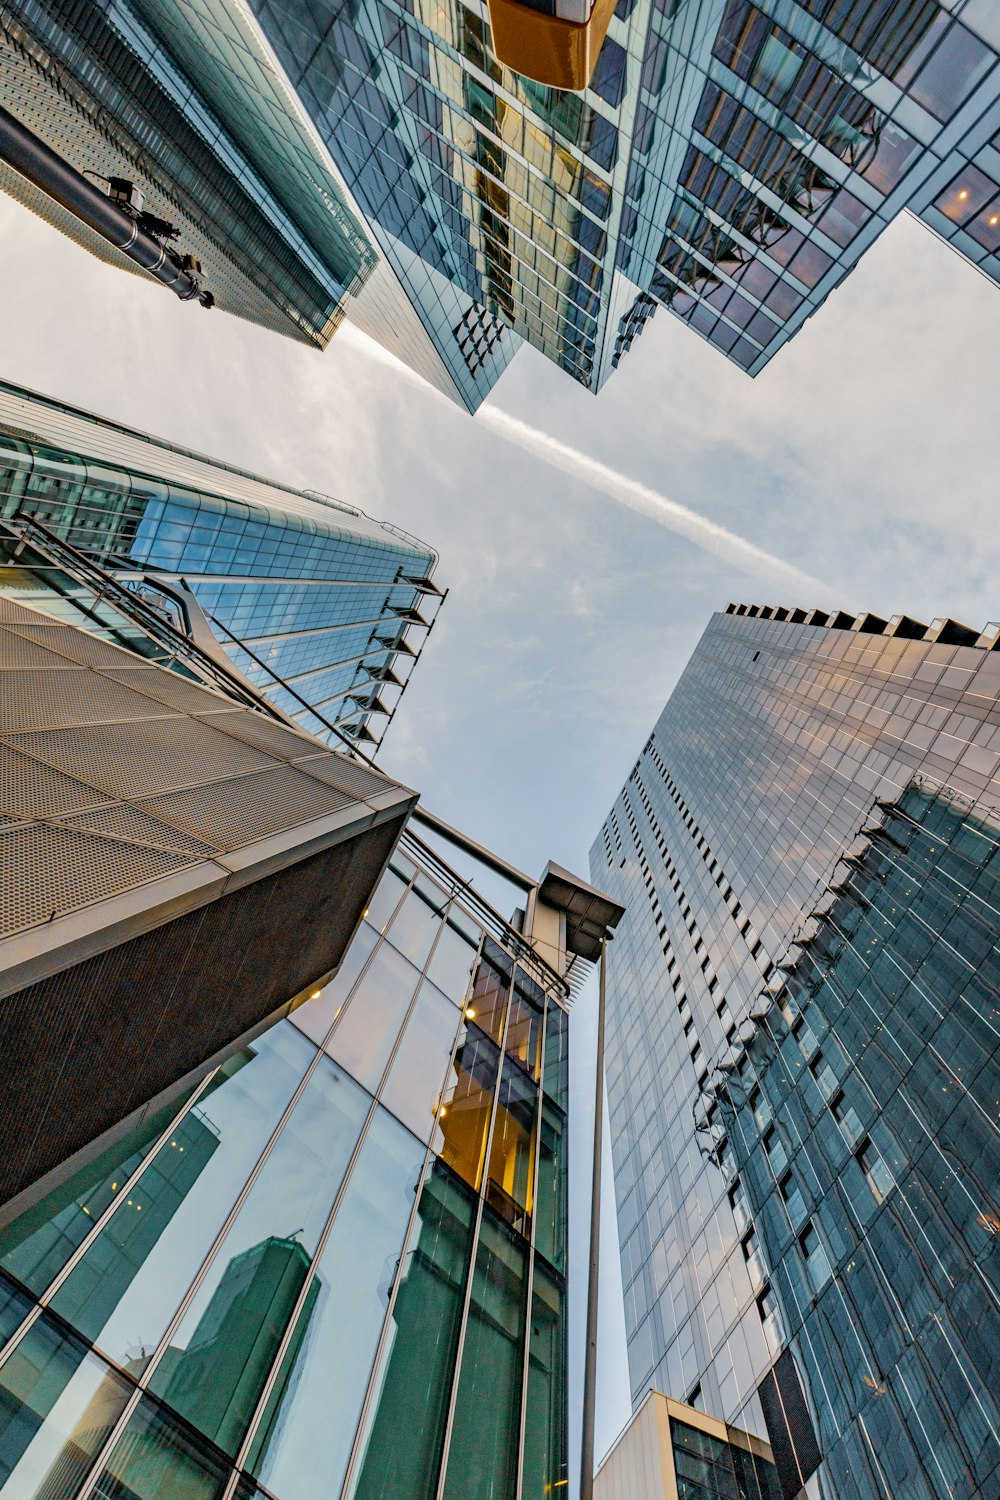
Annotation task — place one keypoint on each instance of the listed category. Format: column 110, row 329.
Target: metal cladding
column 161, row 849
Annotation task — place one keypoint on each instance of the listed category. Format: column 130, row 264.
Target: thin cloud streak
column 704, row 533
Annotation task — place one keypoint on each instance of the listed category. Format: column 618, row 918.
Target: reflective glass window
column 878, row 1176
column 367, row 1031
column 451, row 962
column 155, row 1459
column 957, row 63
column 58, row 1404
column 413, row 927
column 465, row 1108
column 555, row 1077
column 482, row 1456
column 126, row 1288
column 794, row 1202
column 413, row 1089
column 37, row 1244
column 815, row 1256
column 401, row 1450
column 512, row 1150
column 304, row 1441
column 523, row 1040
column 551, row 1197
column 316, row 1016
column 218, row 1360
column 487, row 1004
column 386, row 898
column 544, row 1464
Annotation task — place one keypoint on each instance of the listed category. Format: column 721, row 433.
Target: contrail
column 708, row 535
column 648, row 502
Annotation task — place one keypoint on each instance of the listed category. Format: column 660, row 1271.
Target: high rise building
column 337, row 1265
column 729, row 161
column 803, row 1047
column 320, row 607
column 674, row 1452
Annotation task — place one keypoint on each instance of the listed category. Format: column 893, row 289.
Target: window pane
column 385, row 900
column 215, row 1369
column 482, row 1458
column 402, row 1448
column 487, row 1004
column 126, row 1288
column 415, row 923
column 465, row 1110
column 451, row 963
column 315, row 1017
column 57, row 1405
column 550, row 1208
column 369, row 1027
column 545, row 1461
column 154, row 1460
column 556, row 1072
column 414, row 1087
column 305, row 1439
column 524, row 1025
column 512, row 1149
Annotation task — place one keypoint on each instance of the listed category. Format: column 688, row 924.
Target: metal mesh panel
column 138, row 760
column 30, row 700
column 31, row 790
column 233, row 813
column 347, row 775
column 269, row 736
column 59, row 871
column 172, row 689
column 125, row 822
column 12, row 613
column 19, row 651
column 77, row 645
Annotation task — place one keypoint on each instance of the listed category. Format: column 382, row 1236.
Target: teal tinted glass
column 126, row 1288
column 305, row 1438
column 154, row 1459
column 551, row 1196
column 58, row 1403
column 37, row 1244
column 401, row 1450
column 482, row 1456
column 218, row 1360
column 545, row 1455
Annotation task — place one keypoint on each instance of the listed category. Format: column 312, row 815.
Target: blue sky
column 866, row 457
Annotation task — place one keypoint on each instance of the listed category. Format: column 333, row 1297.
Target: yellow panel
column 561, row 54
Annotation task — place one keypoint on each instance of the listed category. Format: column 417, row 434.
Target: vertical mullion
column 531, row 1253
column 463, row 1327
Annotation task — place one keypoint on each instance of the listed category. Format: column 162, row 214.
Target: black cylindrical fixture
column 33, row 159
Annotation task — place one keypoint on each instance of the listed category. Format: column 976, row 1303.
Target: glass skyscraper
column 337, row 1268
column 297, row 586
column 729, row 161
column 803, row 1046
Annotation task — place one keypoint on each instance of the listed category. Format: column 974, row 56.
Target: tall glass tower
column 325, row 610
column 380, row 160
column 803, row 1046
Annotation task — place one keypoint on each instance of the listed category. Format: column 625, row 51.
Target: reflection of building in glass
column 362, row 1291
column 319, row 606
column 231, row 179
column 799, row 1052
column 675, row 1452
column 729, row 161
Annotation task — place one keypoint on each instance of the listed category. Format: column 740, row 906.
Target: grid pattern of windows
column 335, row 1269
column 763, row 769
column 889, row 1294
column 321, row 603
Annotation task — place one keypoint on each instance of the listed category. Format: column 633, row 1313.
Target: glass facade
column 333, row 1271
column 233, row 179
column 877, row 1060
column 784, row 735
column 297, row 587
column 729, row 161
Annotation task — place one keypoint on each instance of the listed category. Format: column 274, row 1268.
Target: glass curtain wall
column 871, row 1082
column 338, row 1269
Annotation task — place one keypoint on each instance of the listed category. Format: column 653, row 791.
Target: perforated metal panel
column 115, row 772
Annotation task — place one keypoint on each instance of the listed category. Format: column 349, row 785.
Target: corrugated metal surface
column 638, row 1466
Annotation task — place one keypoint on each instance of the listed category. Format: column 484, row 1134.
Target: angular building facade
column 729, row 161
column 320, row 607
column 337, row 1267
column 803, row 1047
